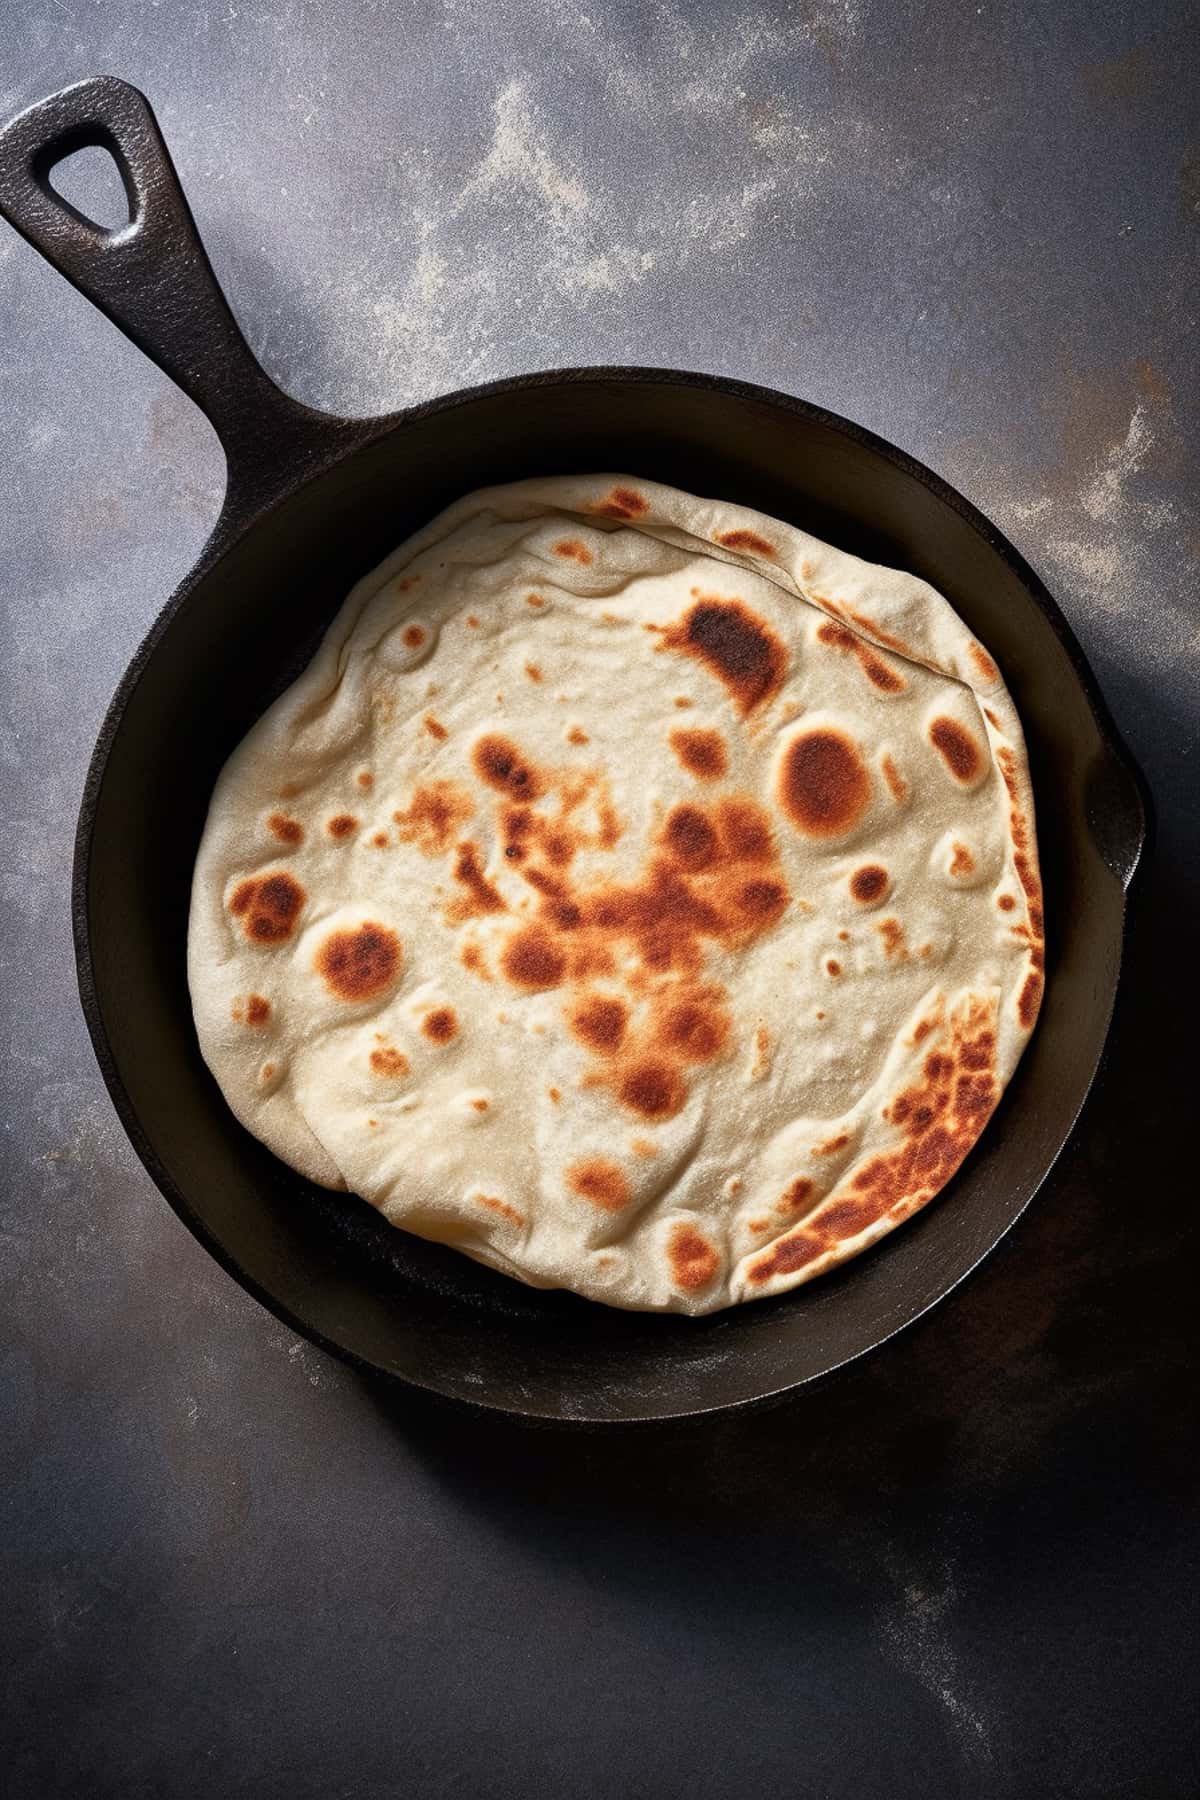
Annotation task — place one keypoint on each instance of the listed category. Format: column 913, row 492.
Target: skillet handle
column 153, row 279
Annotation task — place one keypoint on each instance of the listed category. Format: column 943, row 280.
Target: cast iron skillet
column 313, row 502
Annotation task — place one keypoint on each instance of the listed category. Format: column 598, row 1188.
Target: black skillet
column 313, row 502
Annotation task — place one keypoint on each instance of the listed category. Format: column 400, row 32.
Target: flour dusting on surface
column 521, row 157
column 565, row 218
column 1104, row 497
column 916, row 1631
column 1105, row 540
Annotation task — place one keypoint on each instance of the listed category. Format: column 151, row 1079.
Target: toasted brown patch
column 881, row 673
column 341, row 826
column 534, row 600
column 694, row 1261
column 557, row 838
column 962, row 863
column 576, row 735
column 656, row 1090
column 533, row 671
column 558, row 848
column 602, row 1182
column 1006, row 903
column 380, row 840
column 745, row 540
column 480, row 897
column 434, row 727
column 892, row 933
column 690, row 838
column 365, row 779
column 668, row 913
column 610, row 823
column 992, row 720
column 762, row 1053
column 360, row 963
column 435, row 814
column 832, row 1145
column 258, row 1010
column 287, row 830
column 744, row 829
column 643, row 1148
column 758, row 903
column 940, row 1117
column 824, row 786
column 897, row 786
column 480, row 1104
column 985, row 667
column 599, row 1021
column 554, row 1095
column 1022, row 842
column 868, row 625
column 532, row 959
column 572, row 550
column 512, row 1215
column 559, row 909
column 869, row 884
column 624, row 503
column 957, row 748
column 268, row 906
column 833, row 967
column 696, row 1028
column 471, row 957
column 389, row 1063
column 408, row 581
column 1029, row 1000
column 711, row 874
column 923, row 1027
column 498, row 762
column 702, row 752
column 735, row 644
column 441, row 1025
column 791, row 1253
column 795, row 1199
column 414, row 636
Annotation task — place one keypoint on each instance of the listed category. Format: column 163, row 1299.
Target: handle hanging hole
column 91, row 181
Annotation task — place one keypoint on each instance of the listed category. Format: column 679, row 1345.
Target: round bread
column 634, row 892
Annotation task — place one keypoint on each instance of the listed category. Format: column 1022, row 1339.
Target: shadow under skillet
column 1058, row 1321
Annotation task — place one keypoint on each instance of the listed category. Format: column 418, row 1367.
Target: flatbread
column 634, row 892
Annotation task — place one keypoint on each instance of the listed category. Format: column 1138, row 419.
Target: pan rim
column 234, row 522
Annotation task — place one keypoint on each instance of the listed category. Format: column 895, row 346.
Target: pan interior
column 243, row 631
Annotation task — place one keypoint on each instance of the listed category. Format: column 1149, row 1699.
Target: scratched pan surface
column 312, row 503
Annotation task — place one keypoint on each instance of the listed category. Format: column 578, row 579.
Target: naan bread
column 634, row 892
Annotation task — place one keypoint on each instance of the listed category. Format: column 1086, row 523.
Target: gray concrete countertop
column 966, row 1568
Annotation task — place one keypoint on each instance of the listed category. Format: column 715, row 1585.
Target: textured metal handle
column 152, row 277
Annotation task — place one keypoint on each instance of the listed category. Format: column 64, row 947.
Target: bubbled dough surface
column 795, row 1069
